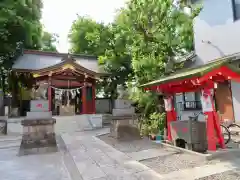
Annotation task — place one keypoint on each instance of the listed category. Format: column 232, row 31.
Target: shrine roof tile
column 197, row 71
column 37, row 60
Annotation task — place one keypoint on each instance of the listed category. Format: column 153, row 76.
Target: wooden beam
column 71, row 84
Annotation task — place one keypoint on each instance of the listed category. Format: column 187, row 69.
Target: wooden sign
column 206, row 99
column 168, row 103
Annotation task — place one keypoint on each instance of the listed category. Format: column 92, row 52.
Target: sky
column 58, row 15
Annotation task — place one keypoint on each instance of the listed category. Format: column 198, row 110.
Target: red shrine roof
column 34, row 60
column 190, row 79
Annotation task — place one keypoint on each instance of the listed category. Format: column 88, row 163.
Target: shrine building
column 70, row 80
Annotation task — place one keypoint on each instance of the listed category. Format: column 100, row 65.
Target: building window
column 236, row 9
column 192, row 101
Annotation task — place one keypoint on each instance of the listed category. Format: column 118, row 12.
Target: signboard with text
column 39, row 106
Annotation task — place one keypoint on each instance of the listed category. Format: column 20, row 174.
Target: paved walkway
column 96, row 160
column 32, row 167
column 83, row 156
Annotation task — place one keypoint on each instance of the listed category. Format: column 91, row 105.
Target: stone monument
column 124, row 124
column 38, row 126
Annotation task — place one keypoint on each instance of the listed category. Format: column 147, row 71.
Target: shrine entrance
column 70, row 79
column 68, row 101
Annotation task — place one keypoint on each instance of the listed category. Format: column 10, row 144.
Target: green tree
column 160, row 31
column 117, row 57
column 88, row 37
column 105, row 41
column 19, row 27
column 49, row 41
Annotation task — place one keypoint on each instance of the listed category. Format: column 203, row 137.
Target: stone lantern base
column 38, row 136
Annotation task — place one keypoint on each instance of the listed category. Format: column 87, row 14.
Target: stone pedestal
column 122, row 107
column 124, row 124
column 38, row 136
column 38, row 130
column 124, row 127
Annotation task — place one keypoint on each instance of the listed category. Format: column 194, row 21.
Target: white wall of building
column 236, row 100
column 216, row 34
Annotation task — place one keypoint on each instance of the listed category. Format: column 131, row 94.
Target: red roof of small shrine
column 196, row 78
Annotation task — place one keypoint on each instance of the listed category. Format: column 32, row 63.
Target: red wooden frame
column 194, row 84
column 59, row 80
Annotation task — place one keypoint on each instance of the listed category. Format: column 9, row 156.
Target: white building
column 216, row 35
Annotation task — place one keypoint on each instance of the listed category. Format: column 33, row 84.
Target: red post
column 211, row 139
column 49, row 93
column 93, row 99
column 218, row 130
column 213, row 125
column 171, row 115
column 84, row 99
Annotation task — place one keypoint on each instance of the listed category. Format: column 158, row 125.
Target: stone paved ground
column 32, row 167
column 141, row 160
column 97, row 160
column 84, row 156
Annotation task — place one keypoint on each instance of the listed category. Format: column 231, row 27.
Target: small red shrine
column 65, row 72
column 205, row 79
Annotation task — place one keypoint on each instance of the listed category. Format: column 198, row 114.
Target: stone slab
column 39, row 105
column 39, row 115
column 89, row 170
column 122, row 112
column 34, row 122
column 122, row 104
column 125, row 117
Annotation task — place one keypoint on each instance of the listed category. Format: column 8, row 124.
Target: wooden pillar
column 49, row 93
column 214, row 134
column 84, row 99
column 170, row 113
column 93, row 98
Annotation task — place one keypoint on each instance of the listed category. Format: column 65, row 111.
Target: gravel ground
column 175, row 162
column 228, row 175
column 129, row 146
